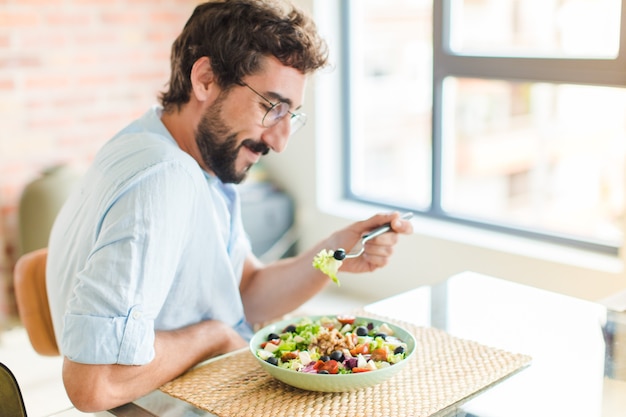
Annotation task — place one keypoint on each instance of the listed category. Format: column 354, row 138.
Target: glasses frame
column 296, row 120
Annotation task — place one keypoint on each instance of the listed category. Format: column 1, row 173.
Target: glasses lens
column 297, row 121
column 278, row 112
column 275, row 114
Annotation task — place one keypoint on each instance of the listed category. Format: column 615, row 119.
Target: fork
column 340, row 254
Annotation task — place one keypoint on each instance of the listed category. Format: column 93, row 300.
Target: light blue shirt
column 148, row 241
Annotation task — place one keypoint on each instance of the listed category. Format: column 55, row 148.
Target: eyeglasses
column 277, row 111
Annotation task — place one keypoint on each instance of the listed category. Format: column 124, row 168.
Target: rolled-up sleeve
column 126, row 340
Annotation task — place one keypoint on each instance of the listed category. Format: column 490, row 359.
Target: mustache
column 256, row 146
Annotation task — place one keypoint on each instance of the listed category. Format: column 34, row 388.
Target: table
column 579, row 362
column 578, row 349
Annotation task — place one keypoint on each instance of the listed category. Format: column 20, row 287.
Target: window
column 503, row 114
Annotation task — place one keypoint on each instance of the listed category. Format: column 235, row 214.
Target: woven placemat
column 443, row 372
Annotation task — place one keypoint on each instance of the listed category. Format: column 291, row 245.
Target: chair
column 11, row 400
column 32, row 301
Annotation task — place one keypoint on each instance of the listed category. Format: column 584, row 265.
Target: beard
column 218, row 145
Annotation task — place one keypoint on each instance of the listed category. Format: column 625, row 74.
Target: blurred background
column 499, row 123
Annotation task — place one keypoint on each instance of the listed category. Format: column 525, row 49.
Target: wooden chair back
column 32, row 301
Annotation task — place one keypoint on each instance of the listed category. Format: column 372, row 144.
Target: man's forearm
column 276, row 289
column 93, row 388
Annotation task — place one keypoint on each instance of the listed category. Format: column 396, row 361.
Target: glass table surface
column 578, row 349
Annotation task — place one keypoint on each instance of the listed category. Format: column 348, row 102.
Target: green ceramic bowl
column 330, row 383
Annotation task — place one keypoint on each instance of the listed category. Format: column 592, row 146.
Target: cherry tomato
column 330, row 366
column 273, row 341
column 329, row 325
column 345, row 319
column 318, row 364
column 356, row 370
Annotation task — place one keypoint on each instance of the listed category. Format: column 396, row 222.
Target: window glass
column 528, row 146
column 556, row 28
column 537, row 155
column 390, row 100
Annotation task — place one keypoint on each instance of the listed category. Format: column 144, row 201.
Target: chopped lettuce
column 325, row 262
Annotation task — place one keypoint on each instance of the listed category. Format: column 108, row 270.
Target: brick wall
column 72, row 73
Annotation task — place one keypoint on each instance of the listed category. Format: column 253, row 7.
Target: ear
column 202, row 79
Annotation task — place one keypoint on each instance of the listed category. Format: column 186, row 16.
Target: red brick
column 9, row 210
column 121, row 18
column 54, row 122
column 83, row 60
column 42, row 40
column 103, row 3
column 10, row 19
column 139, row 2
column 13, row 192
column 17, row 62
column 39, row 2
column 78, row 102
column 167, row 18
column 5, row 41
column 162, row 57
column 47, row 82
column 95, row 39
column 65, row 19
column 147, row 76
column 97, row 80
column 166, row 37
column 7, row 84
column 112, row 118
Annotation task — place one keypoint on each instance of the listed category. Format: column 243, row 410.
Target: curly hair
column 236, row 35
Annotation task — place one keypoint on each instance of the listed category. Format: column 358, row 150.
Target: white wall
column 309, row 171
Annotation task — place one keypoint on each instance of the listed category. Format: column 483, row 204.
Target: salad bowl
column 339, row 382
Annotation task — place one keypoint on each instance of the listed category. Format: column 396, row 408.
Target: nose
column 277, row 136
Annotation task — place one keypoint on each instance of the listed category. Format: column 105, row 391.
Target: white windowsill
column 486, row 239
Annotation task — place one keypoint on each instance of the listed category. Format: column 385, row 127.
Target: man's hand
column 379, row 249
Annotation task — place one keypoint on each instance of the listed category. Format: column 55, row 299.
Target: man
column 149, row 269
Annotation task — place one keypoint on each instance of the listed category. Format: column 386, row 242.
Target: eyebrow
column 275, row 96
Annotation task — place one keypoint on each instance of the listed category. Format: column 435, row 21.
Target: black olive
column 272, row 360
column 272, row 336
column 323, row 372
column 290, row 329
column 361, row 331
column 337, row 355
column 324, row 358
column 381, row 335
column 399, row 349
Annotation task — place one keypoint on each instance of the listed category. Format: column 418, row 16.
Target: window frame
column 447, row 63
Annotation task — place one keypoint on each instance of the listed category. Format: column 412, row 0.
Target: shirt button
column 136, row 315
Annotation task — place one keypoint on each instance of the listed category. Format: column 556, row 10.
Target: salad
column 326, row 262
column 333, row 345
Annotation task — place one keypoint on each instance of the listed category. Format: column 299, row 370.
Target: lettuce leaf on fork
column 325, row 262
